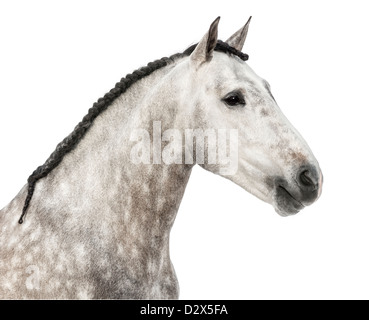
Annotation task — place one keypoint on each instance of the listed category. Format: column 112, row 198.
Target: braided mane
column 72, row 140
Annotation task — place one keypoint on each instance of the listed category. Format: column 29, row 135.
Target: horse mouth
column 286, row 203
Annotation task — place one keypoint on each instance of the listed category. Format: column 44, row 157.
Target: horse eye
column 234, row 99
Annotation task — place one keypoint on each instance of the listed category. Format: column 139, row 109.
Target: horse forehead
column 229, row 68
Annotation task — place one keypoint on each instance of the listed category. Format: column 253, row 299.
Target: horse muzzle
column 304, row 189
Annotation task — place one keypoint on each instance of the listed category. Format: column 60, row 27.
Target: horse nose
column 309, row 179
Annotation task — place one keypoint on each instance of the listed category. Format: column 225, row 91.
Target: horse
column 94, row 221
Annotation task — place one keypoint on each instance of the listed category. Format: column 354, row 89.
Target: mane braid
column 71, row 141
column 222, row 47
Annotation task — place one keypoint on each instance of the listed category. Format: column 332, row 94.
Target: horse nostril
column 309, row 180
column 306, row 179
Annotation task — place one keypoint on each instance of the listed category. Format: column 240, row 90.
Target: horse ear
column 204, row 50
column 237, row 40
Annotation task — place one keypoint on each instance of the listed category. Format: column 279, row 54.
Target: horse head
column 274, row 162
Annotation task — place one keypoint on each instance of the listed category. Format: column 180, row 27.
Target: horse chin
column 284, row 213
column 285, row 204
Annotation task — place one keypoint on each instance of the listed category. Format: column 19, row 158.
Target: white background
column 57, row 58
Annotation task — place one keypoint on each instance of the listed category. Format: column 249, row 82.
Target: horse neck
column 97, row 183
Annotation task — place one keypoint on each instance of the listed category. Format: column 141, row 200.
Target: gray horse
column 94, row 221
